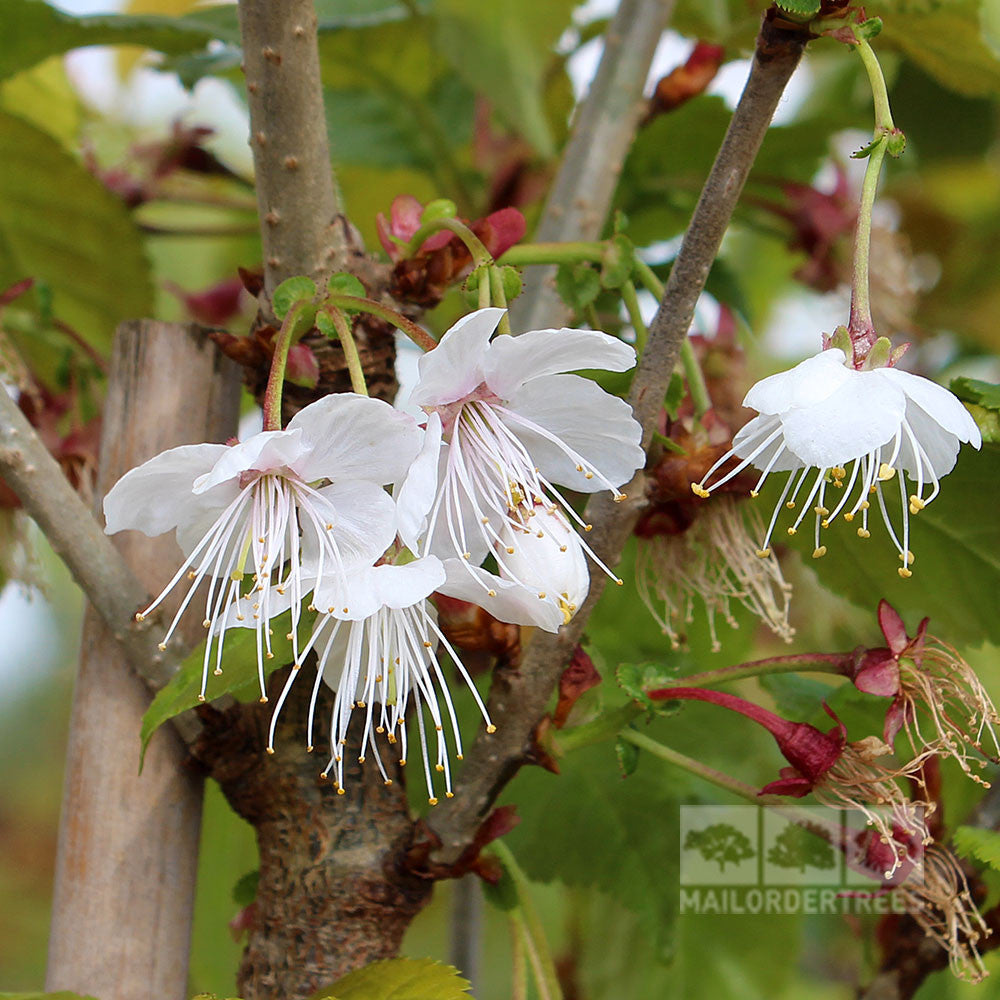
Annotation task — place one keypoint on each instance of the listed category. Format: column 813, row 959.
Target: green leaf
column 291, row 292
column 983, row 845
column 628, row 756
column 578, row 285
column 945, row 39
column 245, row 890
column 60, row 225
column 399, row 979
column 239, row 676
column 796, row 697
column 973, row 390
column 956, row 543
column 617, row 262
column 800, row 8
column 503, row 51
column 344, row 283
column 635, row 679
column 325, row 326
column 34, row 30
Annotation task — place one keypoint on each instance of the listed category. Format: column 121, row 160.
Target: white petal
column 363, row 519
column 386, row 586
column 512, row 361
column 354, row 437
column 511, row 603
column 454, row 368
column 863, row 414
column 554, row 564
column 157, row 495
column 416, row 494
column 941, row 405
column 940, row 447
column 807, row 383
column 596, row 425
column 264, row 452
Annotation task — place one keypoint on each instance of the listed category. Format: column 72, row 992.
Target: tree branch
column 603, row 128
column 519, row 697
column 296, row 198
column 76, row 537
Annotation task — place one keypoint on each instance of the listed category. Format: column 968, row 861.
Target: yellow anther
column 542, row 595
column 588, row 475
column 427, row 645
column 619, row 582
column 217, row 671
column 270, row 751
column 820, row 552
column 433, row 801
column 754, row 494
column 838, row 472
column 340, row 791
column 491, row 728
column 872, row 489
column 885, row 472
column 790, row 505
column 791, row 531
column 763, row 553
column 206, row 624
column 908, row 559
column 140, row 617
column 849, row 516
column 699, row 491
column 310, row 748
column 588, row 527
column 269, row 655
column 345, row 611
column 449, row 795
column 361, row 760
column 904, row 572
column 821, row 510
column 201, row 697
column 262, row 699
column 161, row 646
column 824, row 523
column 579, row 468
column 620, row 497
column 491, row 593
column 562, row 548
column 865, row 505
column 459, row 756
column 510, row 550
column 864, row 533
column 323, row 775
column 439, row 767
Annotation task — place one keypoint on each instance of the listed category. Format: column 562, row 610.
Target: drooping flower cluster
column 300, row 519
column 825, row 422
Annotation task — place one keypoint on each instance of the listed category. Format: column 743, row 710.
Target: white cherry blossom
column 260, row 520
column 514, row 425
column 825, row 422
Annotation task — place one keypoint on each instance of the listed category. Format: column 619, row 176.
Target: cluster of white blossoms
column 302, row 518
column 825, row 422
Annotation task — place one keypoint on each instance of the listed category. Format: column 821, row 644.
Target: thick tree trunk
column 333, row 893
column 128, row 844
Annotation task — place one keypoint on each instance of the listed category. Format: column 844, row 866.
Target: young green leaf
column 345, row 283
column 578, row 285
column 975, row 842
column 399, row 979
column 291, row 292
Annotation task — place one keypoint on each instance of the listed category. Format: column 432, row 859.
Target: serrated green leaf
column 800, row 8
column 628, row 756
column 239, row 676
column 973, row 390
column 34, row 30
column 635, row 679
column 578, row 285
column 60, row 225
column 503, row 52
column 325, row 325
column 290, row 292
column 975, row 842
column 956, row 543
column 399, row 979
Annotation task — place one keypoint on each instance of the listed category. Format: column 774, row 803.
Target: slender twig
column 518, row 698
column 603, row 128
column 97, row 566
column 296, row 197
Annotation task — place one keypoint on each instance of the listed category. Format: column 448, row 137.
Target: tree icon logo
column 801, row 847
column 721, row 843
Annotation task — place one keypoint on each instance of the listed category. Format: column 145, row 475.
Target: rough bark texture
column 295, row 192
column 333, row 894
column 519, row 697
column 128, row 844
